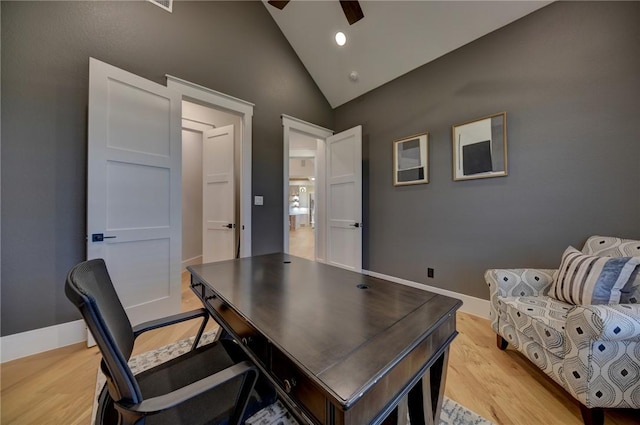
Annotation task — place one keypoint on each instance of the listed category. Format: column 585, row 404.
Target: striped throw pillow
column 590, row 279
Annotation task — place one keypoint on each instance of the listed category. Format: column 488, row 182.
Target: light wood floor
column 57, row 387
column 302, row 243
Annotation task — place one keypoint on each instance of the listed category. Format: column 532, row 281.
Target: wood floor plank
column 302, row 242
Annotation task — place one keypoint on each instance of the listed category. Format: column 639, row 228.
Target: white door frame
column 192, row 91
column 290, row 123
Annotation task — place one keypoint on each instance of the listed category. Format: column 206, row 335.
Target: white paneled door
column 344, row 199
column 218, row 195
column 134, row 188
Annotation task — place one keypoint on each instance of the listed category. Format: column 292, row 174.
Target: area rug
column 276, row 414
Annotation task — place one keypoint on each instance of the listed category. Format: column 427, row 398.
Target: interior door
column 134, row 189
column 344, row 199
column 218, row 195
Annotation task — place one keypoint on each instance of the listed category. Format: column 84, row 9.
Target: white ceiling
column 393, row 38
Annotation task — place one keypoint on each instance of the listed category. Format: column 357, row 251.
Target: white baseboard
column 44, row 339
column 192, row 261
column 471, row 305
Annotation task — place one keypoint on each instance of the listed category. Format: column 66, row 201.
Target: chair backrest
column 90, row 289
column 608, row 246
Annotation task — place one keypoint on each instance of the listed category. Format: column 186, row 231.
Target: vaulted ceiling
column 393, row 38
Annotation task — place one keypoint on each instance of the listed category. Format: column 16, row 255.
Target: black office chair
column 212, row 384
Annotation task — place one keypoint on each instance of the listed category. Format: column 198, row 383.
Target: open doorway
column 206, row 238
column 302, row 195
column 137, row 228
column 337, row 191
column 240, row 112
column 303, row 141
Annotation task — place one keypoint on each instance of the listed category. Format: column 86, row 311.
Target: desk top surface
column 342, row 327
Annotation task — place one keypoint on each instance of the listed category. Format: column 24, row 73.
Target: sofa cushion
column 541, row 319
column 617, row 247
column 591, row 279
column 630, row 294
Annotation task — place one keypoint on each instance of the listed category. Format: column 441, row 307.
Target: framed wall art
column 411, row 160
column 480, row 148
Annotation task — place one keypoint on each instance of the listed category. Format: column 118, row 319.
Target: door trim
column 291, row 123
column 192, row 91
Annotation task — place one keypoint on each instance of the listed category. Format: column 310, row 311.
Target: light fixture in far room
column 341, row 39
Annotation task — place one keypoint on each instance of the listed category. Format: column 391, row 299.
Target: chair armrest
column 167, row 401
column 170, row 320
column 613, row 322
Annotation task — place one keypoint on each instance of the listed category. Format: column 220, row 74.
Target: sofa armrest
column 519, row 282
column 514, row 283
column 613, row 322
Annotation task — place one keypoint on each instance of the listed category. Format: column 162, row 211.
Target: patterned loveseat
column 592, row 350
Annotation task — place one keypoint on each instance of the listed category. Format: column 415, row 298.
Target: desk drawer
column 297, row 385
column 220, row 310
column 237, row 326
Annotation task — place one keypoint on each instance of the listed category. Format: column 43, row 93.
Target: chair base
column 501, row 342
column 593, row 416
column 106, row 414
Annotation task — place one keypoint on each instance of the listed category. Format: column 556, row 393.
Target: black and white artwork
column 476, row 158
column 410, row 160
column 480, row 148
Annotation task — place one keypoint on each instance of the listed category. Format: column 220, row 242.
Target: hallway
column 302, row 242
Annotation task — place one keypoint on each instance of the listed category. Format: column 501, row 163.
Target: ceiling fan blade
column 352, row 10
column 279, row 4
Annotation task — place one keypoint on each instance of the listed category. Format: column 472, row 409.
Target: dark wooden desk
column 342, row 348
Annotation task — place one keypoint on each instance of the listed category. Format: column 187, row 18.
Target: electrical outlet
column 429, row 272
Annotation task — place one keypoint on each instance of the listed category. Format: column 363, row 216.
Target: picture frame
column 411, row 160
column 480, row 148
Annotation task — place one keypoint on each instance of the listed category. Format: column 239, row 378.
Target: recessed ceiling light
column 341, row 39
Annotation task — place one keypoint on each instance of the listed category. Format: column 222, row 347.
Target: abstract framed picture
column 480, row 148
column 411, row 160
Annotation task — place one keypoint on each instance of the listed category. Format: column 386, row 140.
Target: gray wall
column 232, row 47
column 568, row 77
